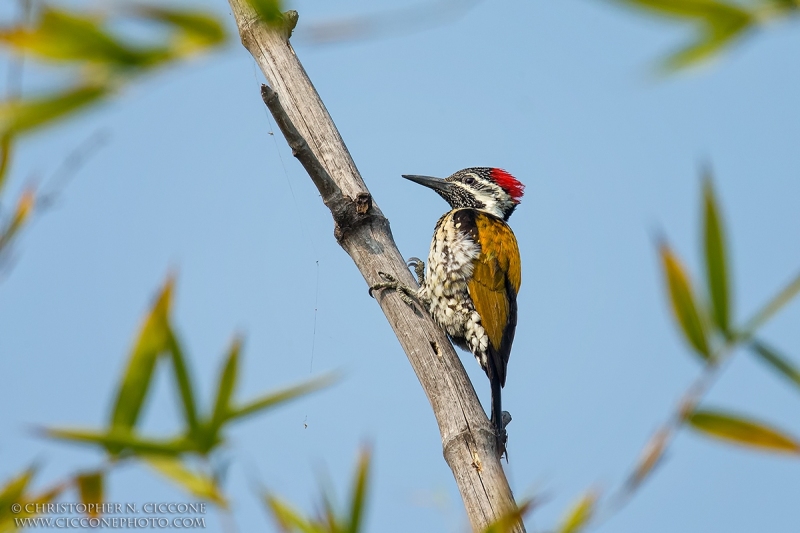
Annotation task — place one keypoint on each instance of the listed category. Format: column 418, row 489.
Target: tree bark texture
column 361, row 229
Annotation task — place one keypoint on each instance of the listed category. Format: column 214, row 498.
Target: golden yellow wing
column 494, row 286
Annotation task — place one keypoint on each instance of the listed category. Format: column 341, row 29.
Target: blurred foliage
column 707, row 325
column 739, row 430
column 101, row 62
column 704, row 317
column 175, row 457
column 579, row 515
column 203, row 433
column 510, row 520
column 350, row 520
column 718, row 23
column 17, row 491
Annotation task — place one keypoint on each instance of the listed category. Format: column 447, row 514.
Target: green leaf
column 22, row 116
column 121, row 439
column 509, row 521
column 197, row 484
column 288, row 519
column 716, row 264
column 719, row 24
column 276, row 398
column 154, row 339
column 183, row 382
column 65, row 36
column 195, row 30
column 683, row 302
column 14, row 489
column 778, row 362
column 358, row 496
column 579, row 515
column 773, row 306
column 226, row 384
column 686, row 9
column 269, row 11
column 786, row 6
column 712, row 40
column 742, row 431
column 90, row 487
column 5, row 157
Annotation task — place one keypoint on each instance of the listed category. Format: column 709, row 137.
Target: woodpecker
column 473, row 274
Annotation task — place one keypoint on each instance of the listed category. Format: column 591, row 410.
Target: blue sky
column 561, row 94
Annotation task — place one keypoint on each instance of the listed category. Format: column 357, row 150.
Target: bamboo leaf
column 90, row 487
column 719, row 23
column 226, row 384
column 579, row 515
column 776, row 361
column 275, row 398
column 182, row 381
column 22, row 116
column 154, row 339
column 65, row 36
column 195, row 30
column 509, row 521
column 702, row 10
column 5, row 157
column 16, row 491
column 742, row 431
column 358, row 497
column 716, row 264
column 13, row 490
column 269, row 11
column 683, row 302
column 288, row 519
column 785, row 296
column 120, row 439
column 712, row 40
column 197, row 484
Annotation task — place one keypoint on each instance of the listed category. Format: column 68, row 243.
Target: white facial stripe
column 488, row 196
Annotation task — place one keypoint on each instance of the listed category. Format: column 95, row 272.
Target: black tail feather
column 497, row 408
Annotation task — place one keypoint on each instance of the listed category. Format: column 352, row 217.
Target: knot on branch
column 351, row 214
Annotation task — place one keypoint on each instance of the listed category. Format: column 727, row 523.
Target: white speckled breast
column 446, row 291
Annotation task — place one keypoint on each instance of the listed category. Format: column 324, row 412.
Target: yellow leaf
column 22, row 116
column 199, row 485
column 579, row 515
column 194, row 30
column 742, row 431
column 90, row 486
column 510, row 520
column 683, row 302
column 154, row 340
column 61, row 35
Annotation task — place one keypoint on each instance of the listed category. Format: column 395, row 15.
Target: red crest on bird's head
column 509, row 183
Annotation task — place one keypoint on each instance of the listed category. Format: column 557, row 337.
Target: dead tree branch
column 361, row 229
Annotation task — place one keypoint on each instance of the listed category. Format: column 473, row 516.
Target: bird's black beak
column 437, row 184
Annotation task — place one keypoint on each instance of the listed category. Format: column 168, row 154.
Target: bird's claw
column 390, row 282
column 413, row 261
column 419, row 268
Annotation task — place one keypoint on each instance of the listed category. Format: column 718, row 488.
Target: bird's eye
column 469, row 180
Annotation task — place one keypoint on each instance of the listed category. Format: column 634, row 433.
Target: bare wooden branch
column 468, row 439
column 327, row 187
